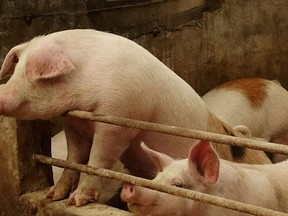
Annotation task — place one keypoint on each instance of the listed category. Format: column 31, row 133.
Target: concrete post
column 19, row 174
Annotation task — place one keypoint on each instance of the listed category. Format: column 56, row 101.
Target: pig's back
column 255, row 103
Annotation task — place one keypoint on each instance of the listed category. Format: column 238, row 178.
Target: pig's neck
column 229, row 180
column 228, row 183
column 229, row 177
column 252, row 184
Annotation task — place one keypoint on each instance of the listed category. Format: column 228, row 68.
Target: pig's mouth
column 140, row 209
column 140, row 205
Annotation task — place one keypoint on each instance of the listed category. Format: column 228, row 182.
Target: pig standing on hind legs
column 107, row 74
column 203, row 171
column 259, row 104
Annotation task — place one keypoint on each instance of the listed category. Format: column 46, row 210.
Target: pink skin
column 102, row 73
column 203, row 171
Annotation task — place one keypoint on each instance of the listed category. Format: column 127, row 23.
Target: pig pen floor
column 36, row 203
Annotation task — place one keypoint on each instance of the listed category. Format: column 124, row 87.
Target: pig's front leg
column 108, row 145
column 78, row 151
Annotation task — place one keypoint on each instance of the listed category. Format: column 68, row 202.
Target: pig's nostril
column 131, row 189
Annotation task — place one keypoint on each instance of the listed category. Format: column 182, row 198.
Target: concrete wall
column 207, row 44
column 240, row 39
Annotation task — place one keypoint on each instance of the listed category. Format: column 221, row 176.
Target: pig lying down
column 203, row 171
column 259, row 104
column 107, row 74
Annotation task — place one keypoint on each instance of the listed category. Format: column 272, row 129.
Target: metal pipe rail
column 178, row 131
column 190, row 194
column 184, row 132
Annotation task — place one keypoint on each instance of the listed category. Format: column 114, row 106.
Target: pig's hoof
column 66, row 184
column 57, row 192
column 51, row 191
column 80, row 198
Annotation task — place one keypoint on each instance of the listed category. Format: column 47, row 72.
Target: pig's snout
column 128, row 192
column 8, row 102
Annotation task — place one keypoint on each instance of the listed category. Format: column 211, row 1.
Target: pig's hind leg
column 78, row 151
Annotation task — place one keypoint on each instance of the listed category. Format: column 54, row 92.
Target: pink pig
column 107, row 74
column 203, row 171
column 259, row 104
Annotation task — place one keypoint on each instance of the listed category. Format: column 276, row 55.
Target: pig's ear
column 11, row 60
column 203, row 157
column 46, row 62
column 159, row 159
column 243, row 130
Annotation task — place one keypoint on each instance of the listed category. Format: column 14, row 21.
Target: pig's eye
column 177, row 183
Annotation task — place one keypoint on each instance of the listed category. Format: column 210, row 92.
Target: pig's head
column 35, row 88
column 199, row 172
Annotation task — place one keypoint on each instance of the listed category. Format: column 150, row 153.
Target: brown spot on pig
column 253, row 88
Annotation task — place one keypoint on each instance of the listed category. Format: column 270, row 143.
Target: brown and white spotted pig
column 259, row 104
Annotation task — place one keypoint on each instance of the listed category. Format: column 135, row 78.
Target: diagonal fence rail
column 184, row 132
